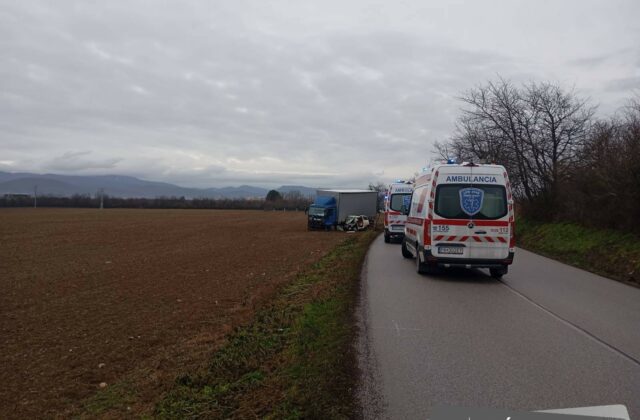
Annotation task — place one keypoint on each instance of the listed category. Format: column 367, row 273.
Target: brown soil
column 92, row 296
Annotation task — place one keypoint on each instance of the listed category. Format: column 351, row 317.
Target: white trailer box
column 356, row 202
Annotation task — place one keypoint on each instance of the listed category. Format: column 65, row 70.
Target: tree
column 380, row 188
column 273, row 195
column 536, row 131
column 603, row 189
column 293, row 195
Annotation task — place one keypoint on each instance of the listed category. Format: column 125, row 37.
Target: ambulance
column 461, row 215
column 396, row 200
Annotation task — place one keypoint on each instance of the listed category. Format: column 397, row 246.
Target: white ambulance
column 461, row 215
column 397, row 198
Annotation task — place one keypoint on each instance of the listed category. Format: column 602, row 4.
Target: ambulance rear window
column 397, row 200
column 449, row 202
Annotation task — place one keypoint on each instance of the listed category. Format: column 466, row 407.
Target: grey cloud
column 627, row 84
column 79, row 161
column 599, row 59
column 210, row 94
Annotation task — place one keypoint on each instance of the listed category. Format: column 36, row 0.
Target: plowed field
column 90, row 296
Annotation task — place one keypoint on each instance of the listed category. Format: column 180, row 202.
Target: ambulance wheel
column 387, row 238
column 405, row 252
column 421, row 268
column 497, row 273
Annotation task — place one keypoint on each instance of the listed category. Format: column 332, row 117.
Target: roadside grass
column 606, row 252
column 294, row 360
column 114, row 399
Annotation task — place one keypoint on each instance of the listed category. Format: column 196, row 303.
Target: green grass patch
column 607, row 252
column 294, row 360
column 114, row 399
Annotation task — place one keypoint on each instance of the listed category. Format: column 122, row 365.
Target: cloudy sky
column 322, row 93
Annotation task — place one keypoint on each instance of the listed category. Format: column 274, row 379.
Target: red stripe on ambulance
column 454, row 238
column 463, row 222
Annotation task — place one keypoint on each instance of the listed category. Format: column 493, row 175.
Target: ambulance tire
column 387, row 238
column 422, row 268
column 405, row 252
column 497, row 273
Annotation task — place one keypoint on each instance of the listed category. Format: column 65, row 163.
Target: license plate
column 457, row 250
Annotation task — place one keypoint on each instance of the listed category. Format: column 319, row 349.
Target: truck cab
column 322, row 213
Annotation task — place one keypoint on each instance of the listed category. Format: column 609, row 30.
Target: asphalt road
column 547, row 336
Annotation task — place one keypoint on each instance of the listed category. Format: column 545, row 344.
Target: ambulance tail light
column 386, row 218
column 427, row 233
column 512, row 235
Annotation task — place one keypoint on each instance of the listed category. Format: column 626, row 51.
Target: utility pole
column 101, row 192
column 35, row 196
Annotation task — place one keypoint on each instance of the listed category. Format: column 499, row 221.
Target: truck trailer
column 332, row 206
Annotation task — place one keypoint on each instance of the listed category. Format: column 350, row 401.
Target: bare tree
column 536, row 131
column 492, row 127
column 377, row 186
column 380, row 188
column 562, row 124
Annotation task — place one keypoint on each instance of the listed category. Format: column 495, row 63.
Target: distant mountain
column 26, row 186
column 125, row 186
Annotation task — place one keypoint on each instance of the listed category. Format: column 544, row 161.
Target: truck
column 397, row 198
column 461, row 215
column 332, row 207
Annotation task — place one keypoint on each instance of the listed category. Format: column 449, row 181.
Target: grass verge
column 114, row 399
column 605, row 252
column 295, row 359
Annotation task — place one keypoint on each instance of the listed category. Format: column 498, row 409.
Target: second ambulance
column 461, row 215
column 396, row 200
